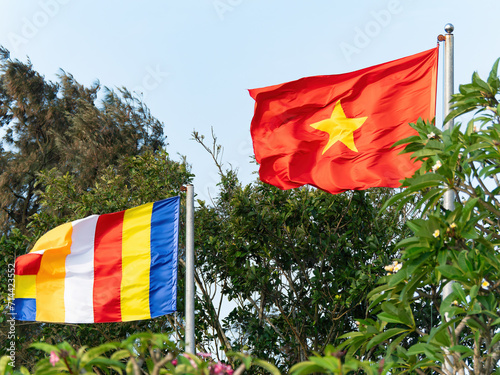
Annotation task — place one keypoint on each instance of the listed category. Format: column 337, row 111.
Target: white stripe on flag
column 79, row 282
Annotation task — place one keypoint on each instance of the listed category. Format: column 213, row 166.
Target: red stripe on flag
column 108, row 267
column 28, row 264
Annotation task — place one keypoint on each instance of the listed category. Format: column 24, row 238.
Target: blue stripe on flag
column 25, row 309
column 164, row 244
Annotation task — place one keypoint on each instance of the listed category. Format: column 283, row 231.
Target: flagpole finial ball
column 449, row 28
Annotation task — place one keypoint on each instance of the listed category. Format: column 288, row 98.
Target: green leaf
column 105, row 362
column 385, row 336
column 431, row 198
column 462, row 349
column 120, row 354
column 389, row 318
column 97, row 351
column 398, row 277
column 328, row 363
column 493, row 76
column 474, row 147
column 304, row 368
column 439, row 334
column 469, row 207
column 479, row 82
column 464, row 263
column 494, row 340
column 352, row 334
column 475, row 326
column 489, row 301
column 4, row 365
column 376, row 299
column 452, row 273
column 408, row 290
column 419, row 348
column 474, row 291
column 425, row 152
column 47, row 348
column 266, row 366
column 459, row 292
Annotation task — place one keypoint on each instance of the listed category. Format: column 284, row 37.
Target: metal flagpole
column 190, row 289
column 449, row 196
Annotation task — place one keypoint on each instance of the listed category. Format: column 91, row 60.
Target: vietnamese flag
column 336, row 132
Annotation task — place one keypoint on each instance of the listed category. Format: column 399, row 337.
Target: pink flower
column 221, row 369
column 174, row 362
column 217, row 369
column 53, row 358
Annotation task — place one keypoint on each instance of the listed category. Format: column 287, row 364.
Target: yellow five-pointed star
column 340, row 128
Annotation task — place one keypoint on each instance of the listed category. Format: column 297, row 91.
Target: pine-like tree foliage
column 62, row 125
column 66, row 152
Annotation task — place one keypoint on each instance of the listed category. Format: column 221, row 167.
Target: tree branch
column 461, row 326
column 216, row 323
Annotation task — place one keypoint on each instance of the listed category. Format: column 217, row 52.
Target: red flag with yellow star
column 335, row 132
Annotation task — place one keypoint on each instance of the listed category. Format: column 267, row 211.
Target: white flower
column 431, row 135
column 436, row 166
column 485, row 284
column 436, row 233
column 397, row 266
column 394, row 267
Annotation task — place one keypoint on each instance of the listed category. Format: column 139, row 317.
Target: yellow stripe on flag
column 25, row 286
column 136, row 261
column 50, row 278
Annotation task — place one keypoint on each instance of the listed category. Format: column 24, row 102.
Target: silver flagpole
column 449, row 196
column 190, row 289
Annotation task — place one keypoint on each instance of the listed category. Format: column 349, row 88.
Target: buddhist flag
column 114, row 267
column 336, row 132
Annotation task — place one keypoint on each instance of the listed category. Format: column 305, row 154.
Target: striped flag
column 114, row 267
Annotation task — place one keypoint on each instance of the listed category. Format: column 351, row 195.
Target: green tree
column 134, row 180
column 61, row 125
column 140, row 353
column 67, row 155
column 456, row 247
column 296, row 265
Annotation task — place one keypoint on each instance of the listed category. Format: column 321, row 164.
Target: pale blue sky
column 195, row 60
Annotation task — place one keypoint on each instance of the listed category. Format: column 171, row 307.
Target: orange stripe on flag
column 50, row 277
